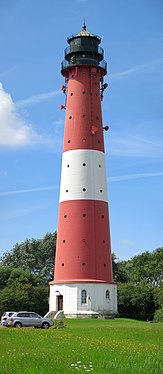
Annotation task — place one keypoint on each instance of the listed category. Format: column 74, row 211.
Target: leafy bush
column 158, row 317
column 58, row 324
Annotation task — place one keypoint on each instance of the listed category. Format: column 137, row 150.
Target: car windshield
column 34, row 315
column 8, row 314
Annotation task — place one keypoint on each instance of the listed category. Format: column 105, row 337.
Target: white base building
column 83, row 299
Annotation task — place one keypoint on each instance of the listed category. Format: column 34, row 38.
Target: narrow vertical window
column 84, row 297
column 107, row 294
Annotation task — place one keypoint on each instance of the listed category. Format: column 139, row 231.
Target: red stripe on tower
column 83, row 252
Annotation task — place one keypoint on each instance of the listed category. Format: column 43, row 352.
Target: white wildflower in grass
column 82, row 366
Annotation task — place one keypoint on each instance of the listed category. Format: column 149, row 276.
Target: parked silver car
column 29, row 319
column 5, row 317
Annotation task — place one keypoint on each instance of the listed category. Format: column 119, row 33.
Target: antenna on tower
column 84, row 25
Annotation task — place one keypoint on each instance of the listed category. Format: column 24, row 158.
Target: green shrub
column 58, row 324
column 158, row 316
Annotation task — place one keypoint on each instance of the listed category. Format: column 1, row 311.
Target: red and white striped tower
column 83, row 283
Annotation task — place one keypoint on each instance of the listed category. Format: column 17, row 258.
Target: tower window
column 83, row 92
column 104, row 265
column 63, row 264
column 103, row 241
column 84, row 215
column 100, row 190
column 84, row 297
column 68, row 141
column 64, row 240
column 102, row 216
column 84, row 189
column 65, row 216
column 71, row 93
column 84, row 115
column 68, row 166
column 98, row 141
column 99, row 166
column 83, row 264
column 96, row 94
column 107, row 294
column 84, row 164
column 97, row 117
column 70, row 117
column 66, row 190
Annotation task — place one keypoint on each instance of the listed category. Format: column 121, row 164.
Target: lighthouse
column 83, row 284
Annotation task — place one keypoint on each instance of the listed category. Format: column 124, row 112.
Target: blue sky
column 32, row 40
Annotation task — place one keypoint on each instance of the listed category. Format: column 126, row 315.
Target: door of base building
column 60, row 302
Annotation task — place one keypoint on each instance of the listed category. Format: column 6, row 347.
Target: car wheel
column 18, row 325
column 45, row 325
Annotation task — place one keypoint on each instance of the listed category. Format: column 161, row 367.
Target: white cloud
column 37, row 189
column 128, row 242
column 8, row 71
column 58, row 122
column 119, row 178
column 36, row 99
column 128, row 145
column 16, row 213
column 138, row 69
column 13, row 129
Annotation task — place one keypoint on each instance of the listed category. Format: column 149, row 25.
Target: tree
column 148, row 265
column 137, row 300
column 22, row 292
column 5, row 272
column 142, row 294
column 25, row 272
column 35, row 256
column 119, row 271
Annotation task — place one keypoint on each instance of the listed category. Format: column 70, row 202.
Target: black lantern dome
column 84, row 49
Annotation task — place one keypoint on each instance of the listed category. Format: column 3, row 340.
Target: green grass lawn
column 84, row 345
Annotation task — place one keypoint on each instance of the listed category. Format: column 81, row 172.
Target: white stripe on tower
column 83, row 175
